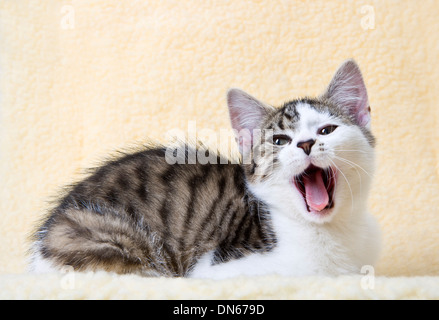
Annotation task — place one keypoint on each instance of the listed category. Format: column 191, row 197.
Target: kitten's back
column 140, row 214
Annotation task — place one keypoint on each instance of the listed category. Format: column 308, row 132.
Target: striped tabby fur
column 139, row 214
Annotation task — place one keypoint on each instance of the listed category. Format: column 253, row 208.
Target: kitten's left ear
column 348, row 91
column 247, row 115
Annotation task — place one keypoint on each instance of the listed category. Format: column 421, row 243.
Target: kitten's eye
column 327, row 130
column 281, row 140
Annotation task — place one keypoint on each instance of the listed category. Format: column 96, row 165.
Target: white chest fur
column 305, row 249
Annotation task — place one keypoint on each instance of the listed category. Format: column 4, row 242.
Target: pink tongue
column 317, row 196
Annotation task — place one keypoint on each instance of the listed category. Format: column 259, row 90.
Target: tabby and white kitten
column 298, row 209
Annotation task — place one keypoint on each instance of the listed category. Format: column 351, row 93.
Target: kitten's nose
column 306, row 146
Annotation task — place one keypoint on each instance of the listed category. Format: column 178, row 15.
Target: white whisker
column 351, row 150
column 349, row 185
column 353, row 164
column 350, row 163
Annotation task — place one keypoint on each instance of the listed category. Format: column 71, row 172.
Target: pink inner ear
column 363, row 118
column 243, row 134
column 362, row 110
column 244, row 137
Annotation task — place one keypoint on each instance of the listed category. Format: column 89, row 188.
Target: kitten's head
column 310, row 158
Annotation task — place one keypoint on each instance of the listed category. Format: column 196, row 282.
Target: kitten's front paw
column 203, row 267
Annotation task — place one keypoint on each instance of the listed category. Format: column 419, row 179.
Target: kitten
column 296, row 205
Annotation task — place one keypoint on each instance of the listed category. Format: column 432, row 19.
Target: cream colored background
column 131, row 70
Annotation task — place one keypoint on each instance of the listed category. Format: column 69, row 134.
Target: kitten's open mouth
column 317, row 187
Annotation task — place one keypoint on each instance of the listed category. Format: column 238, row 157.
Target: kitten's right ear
column 348, row 91
column 246, row 114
